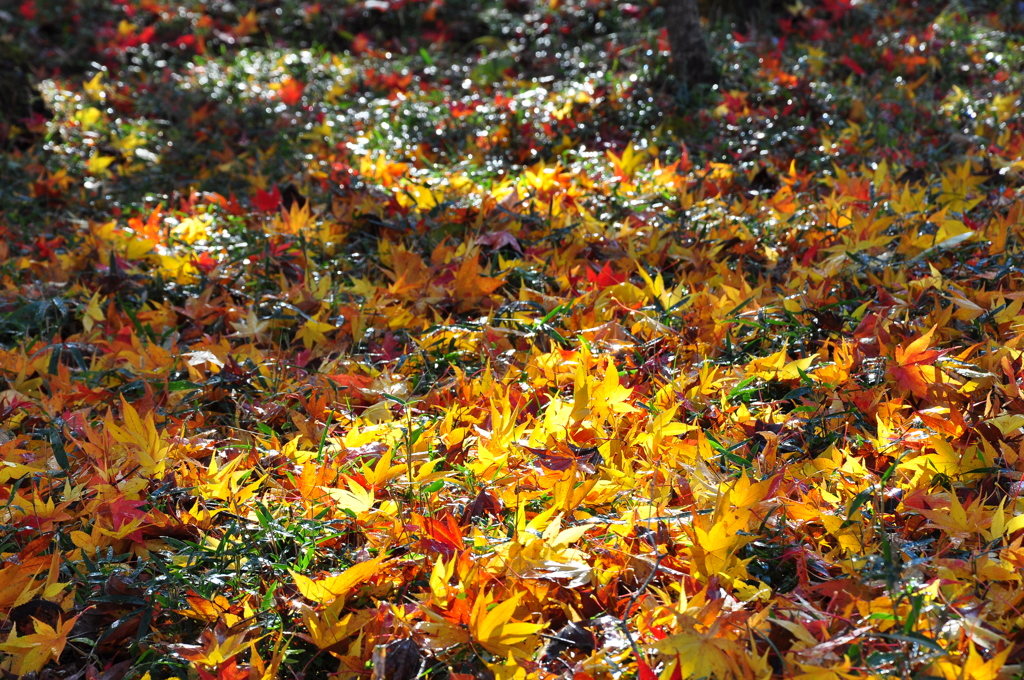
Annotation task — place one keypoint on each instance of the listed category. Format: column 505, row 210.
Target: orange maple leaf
column 914, row 371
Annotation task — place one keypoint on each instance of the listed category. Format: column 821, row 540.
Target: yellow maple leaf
column 93, row 312
column 974, row 667
column 958, row 520
column 192, row 229
column 777, row 366
column 491, row 624
column 97, row 165
column 626, row 164
column 326, row 628
column 419, row 197
column 294, row 219
column 839, row 672
column 30, row 653
column 355, row 498
column 944, row 459
column 94, row 86
column 313, row 333
column 15, row 582
column 610, row 396
column 88, row 117
column 141, row 434
column 218, row 645
column 697, row 655
column 715, row 547
column 333, row 587
column 440, row 576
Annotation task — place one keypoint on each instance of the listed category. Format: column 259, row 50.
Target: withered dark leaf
column 485, row 503
column 571, row 636
column 397, row 660
column 291, row 196
column 37, row 609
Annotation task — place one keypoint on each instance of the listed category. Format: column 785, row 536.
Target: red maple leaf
column 204, row 263
column 852, row 65
column 360, row 44
column 645, row 671
column 685, row 164
column 184, row 42
column 123, row 511
column 267, row 201
column 605, row 278
column 291, row 91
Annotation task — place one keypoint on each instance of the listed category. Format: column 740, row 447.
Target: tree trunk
column 686, row 39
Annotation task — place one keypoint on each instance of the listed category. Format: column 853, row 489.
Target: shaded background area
column 200, row 91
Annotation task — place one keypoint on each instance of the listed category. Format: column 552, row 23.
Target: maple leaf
column 226, row 670
column 914, row 371
column 250, row 326
column 500, row 239
column 442, row 535
column 840, row 672
column 715, row 547
column 88, row 117
column 30, row 653
column 296, row 218
column 973, row 668
column 125, row 514
column 703, row 655
column 356, row 498
column 267, row 201
column 207, row 610
column 610, row 396
column 957, row 520
column 627, row 164
column 335, row 587
column 491, row 624
column 778, row 366
column 97, row 165
column 192, row 229
column 418, row 196
column 16, row 585
column 142, row 434
column 313, row 332
column 327, row 628
column 605, row 278
column 440, row 576
column 247, row 24
column 469, row 284
column 219, row 645
column 93, row 312
column 944, row 459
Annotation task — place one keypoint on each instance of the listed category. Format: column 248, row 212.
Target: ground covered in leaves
column 459, row 340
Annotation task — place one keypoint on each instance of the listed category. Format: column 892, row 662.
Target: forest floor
column 452, row 339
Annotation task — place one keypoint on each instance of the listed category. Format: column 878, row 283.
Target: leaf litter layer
column 339, row 341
